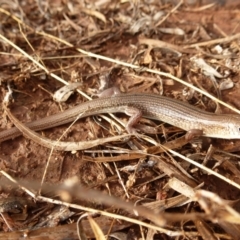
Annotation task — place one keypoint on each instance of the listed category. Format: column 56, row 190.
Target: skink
column 152, row 106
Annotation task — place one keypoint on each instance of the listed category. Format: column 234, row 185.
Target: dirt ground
column 133, row 187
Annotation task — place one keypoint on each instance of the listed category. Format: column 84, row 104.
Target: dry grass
column 157, row 186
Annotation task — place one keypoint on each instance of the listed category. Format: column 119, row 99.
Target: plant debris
column 156, row 185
